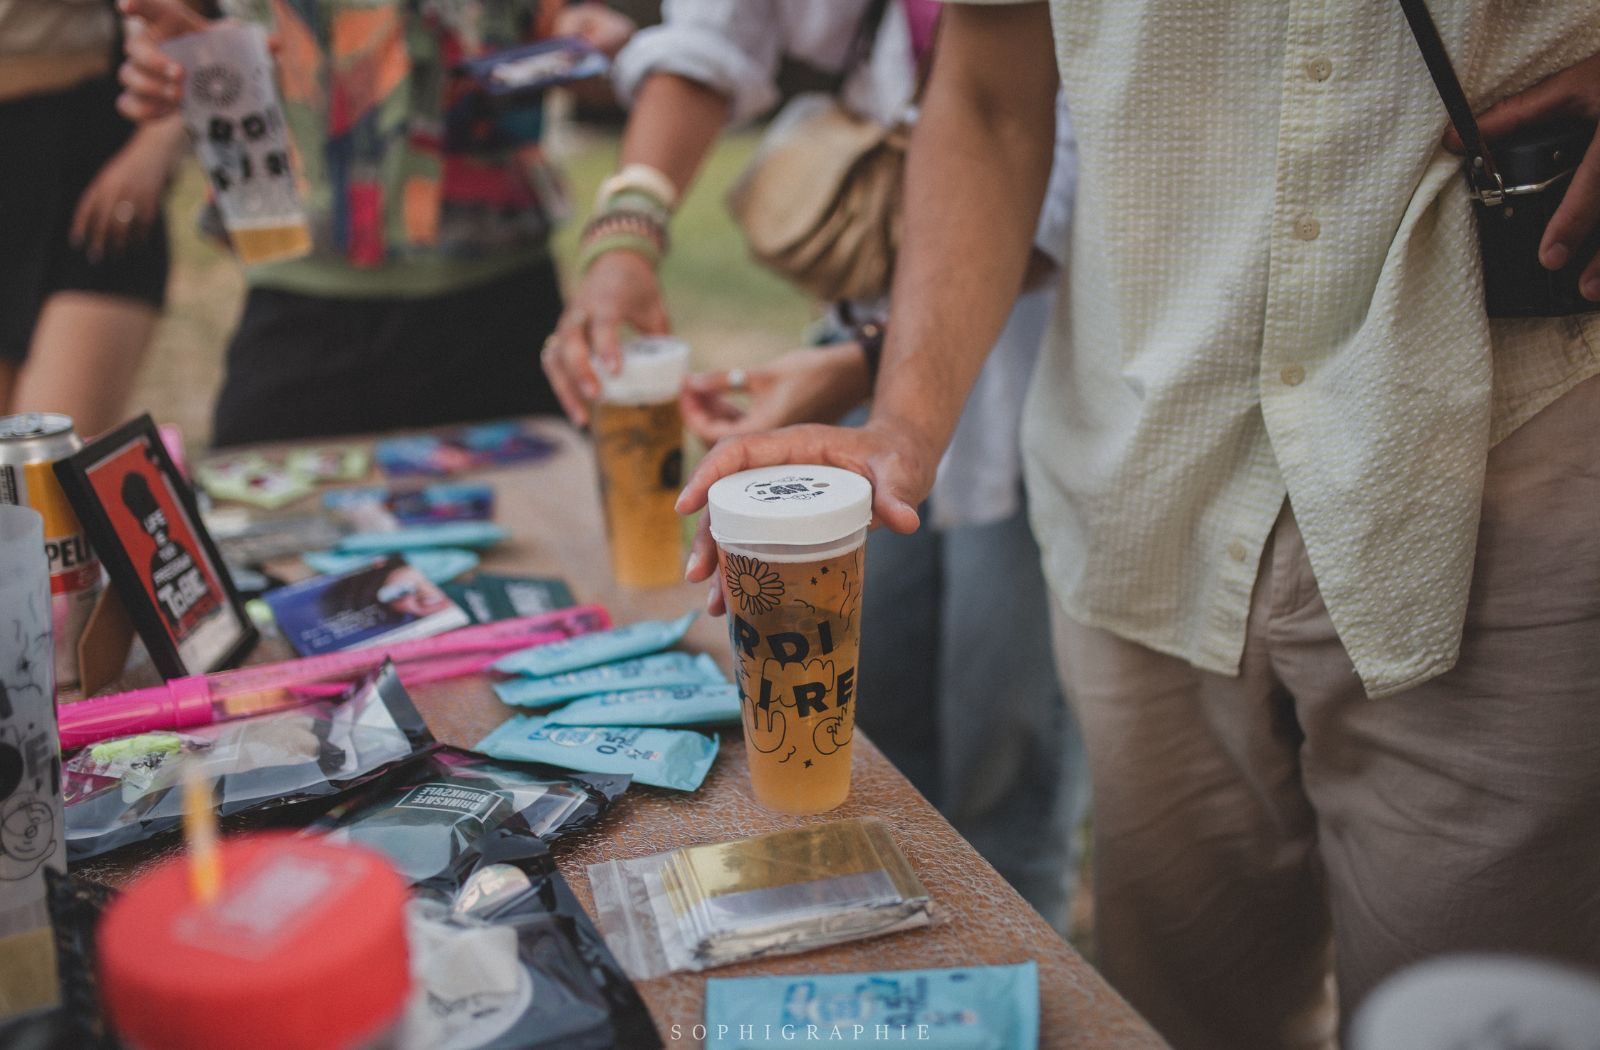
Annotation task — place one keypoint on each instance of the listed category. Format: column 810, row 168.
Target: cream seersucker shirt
column 1274, row 292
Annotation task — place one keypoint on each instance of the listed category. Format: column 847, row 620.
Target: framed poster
column 140, row 514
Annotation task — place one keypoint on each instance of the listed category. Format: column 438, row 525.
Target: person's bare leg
column 86, row 353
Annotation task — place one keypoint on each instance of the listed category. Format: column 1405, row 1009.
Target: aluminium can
column 30, row 445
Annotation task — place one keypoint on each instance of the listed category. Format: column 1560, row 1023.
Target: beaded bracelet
column 641, row 222
column 631, row 230
column 631, row 200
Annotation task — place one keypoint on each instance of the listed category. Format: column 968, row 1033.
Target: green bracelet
column 620, row 240
column 637, row 201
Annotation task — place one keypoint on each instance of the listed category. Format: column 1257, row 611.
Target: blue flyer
column 462, row 449
column 384, row 602
column 376, row 508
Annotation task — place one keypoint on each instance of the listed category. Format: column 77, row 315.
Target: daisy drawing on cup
column 753, row 584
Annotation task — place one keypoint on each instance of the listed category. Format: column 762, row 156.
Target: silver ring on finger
column 737, row 379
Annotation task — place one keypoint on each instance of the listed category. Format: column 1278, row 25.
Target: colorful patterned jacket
column 366, row 86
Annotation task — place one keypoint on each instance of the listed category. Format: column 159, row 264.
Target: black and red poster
column 141, row 516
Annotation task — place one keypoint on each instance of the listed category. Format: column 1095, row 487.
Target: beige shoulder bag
column 820, row 203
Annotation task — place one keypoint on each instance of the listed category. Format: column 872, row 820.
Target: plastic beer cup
column 231, row 111
column 790, row 545
column 638, row 437
column 32, row 835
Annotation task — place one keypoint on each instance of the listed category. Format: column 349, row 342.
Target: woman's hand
column 121, row 205
column 152, row 83
column 603, row 27
column 618, row 289
column 809, row 385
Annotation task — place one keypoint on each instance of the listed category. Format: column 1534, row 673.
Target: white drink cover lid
column 793, row 504
column 1486, row 1002
column 653, row 368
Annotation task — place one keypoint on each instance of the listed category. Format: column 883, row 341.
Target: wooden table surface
column 551, row 508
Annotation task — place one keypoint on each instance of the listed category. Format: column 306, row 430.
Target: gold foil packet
column 817, row 860
column 788, row 891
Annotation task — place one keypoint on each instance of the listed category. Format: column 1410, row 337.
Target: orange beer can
column 30, row 445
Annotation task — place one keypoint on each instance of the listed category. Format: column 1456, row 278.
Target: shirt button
column 1294, row 375
column 1236, row 551
column 1319, row 68
column 1306, row 228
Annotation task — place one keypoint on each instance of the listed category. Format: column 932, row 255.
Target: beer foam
column 653, row 368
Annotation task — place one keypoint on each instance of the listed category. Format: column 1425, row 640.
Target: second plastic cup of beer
column 638, row 439
column 231, row 111
column 789, row 542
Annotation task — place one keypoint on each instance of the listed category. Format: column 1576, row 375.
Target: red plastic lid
column 303, row 949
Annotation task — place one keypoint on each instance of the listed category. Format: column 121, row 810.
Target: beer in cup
column 231, row 111
column 789, row 542
column 638, row 438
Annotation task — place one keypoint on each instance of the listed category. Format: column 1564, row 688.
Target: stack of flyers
column 490, row 597
column 378, row 509
column 437, row 564
column 250, row 477
column 419, row 537
column 462, row 449
column 382, row 603
column 251, row 540
column 329, row 463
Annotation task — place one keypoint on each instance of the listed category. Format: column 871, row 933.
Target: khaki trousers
column 1252, row 830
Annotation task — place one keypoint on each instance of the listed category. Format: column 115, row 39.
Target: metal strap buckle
column 1501, row 191
column 1492, row 196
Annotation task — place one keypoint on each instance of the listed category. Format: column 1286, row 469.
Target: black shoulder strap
column 866, row 34
column 798, row 76
column 1484, row 177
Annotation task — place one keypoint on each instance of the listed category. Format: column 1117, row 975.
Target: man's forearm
column 672, row 125
column 976, row 174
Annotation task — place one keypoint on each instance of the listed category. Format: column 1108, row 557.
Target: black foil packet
column 509, row 901
column 428, row 814
column 130, row 789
